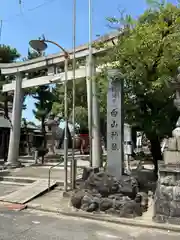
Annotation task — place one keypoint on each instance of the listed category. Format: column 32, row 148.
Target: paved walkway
column 40, row 172
column 52, row 201
column 8, row 188
column 33, row 225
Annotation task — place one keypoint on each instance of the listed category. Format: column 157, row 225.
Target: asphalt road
column 33, row 225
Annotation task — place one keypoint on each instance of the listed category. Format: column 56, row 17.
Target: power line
column 28, row 10
column 41, row 5
column 20, row 7
column 21, row 13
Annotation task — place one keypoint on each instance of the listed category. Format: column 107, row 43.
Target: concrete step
column 60, row 166
column 17, row 180
column 23, row 180
column 53, row 162
column 54, row 158
column 30, row 174
column 14, row 183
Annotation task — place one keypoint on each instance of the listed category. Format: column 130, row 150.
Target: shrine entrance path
column 38, row 172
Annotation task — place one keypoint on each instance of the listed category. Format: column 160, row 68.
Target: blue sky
column 54, row 20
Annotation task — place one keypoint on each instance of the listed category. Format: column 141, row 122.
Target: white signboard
column 127, row 139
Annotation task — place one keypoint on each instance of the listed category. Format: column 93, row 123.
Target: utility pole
column 1, row 26
column 89, row 83
column 93, row 107
column 73, row 162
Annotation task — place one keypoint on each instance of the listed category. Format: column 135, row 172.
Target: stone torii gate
column 53, row 63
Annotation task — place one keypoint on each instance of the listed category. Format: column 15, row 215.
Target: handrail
column 49, row 174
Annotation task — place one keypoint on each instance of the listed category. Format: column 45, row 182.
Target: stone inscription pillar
column 115, row 124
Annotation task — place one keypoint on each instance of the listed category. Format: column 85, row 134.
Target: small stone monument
column 167, row 196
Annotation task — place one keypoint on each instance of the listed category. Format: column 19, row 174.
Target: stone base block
column 172, row 157
column 164, row 219
column 66, row 194
column 87, row 171
column 9, row 165
column 172, row 144
column 158, row 218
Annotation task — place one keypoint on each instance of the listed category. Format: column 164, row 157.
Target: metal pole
column 66, row 55
column 73, row 162
column 94, row 127
column 66, row 124
column 90, row 79
column 96, row 136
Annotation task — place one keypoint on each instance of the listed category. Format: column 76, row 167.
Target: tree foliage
column 7, row 55
column 148, row 54
column 44, row 103
column 43, row 96
column 81, row 116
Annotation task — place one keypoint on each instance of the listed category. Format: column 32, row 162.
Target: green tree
column 148, row 54
column 7, row 55
column 81, row 108
column 43, row 106
column 81, row 116
column 26, row 130
column 44, row 97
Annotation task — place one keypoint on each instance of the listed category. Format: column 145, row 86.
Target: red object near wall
column 84, row 143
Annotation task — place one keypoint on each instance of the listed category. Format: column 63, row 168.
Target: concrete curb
column 12, row 206
column 110, row 219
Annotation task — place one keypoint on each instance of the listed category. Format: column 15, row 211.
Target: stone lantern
column 53, row 133
column 167, row 196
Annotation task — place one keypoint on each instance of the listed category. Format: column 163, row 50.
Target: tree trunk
column 27, row 137
column 27, row 141
column 103, row 130
column 156, row 152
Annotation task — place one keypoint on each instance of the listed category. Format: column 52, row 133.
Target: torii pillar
column 14, row 141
